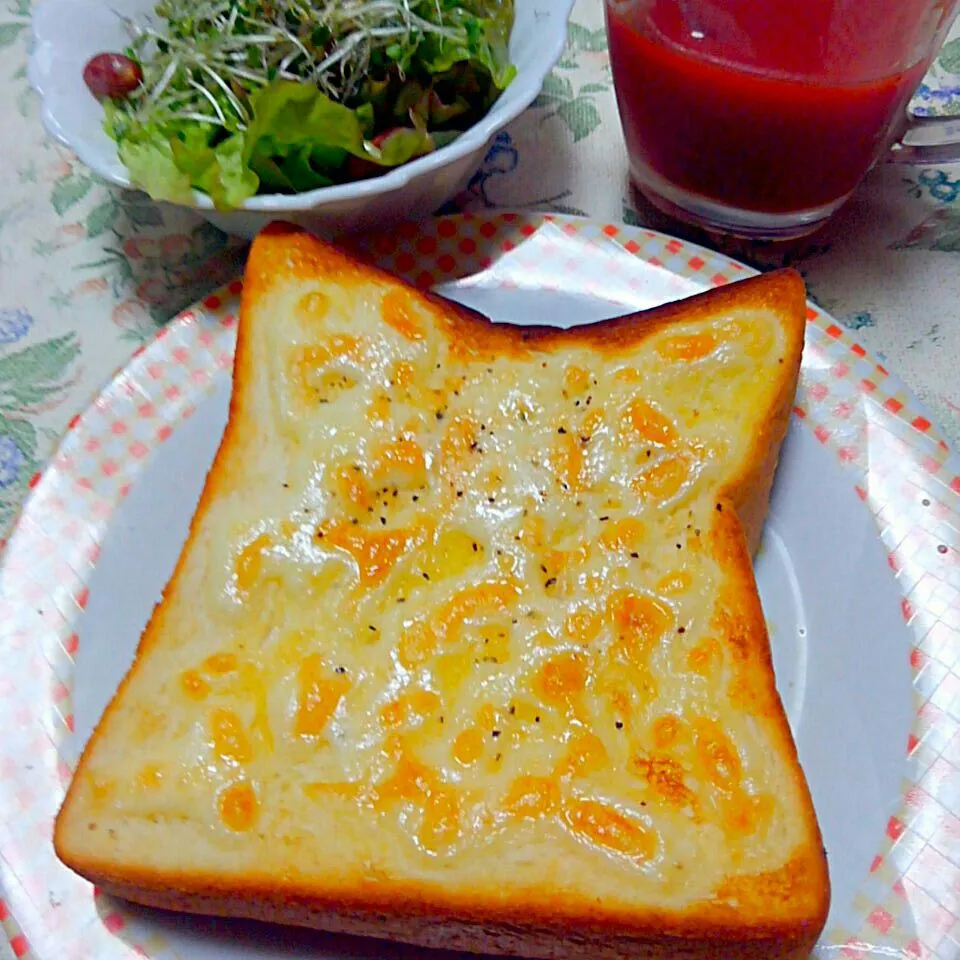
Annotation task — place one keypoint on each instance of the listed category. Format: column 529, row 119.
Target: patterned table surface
column 89, row 272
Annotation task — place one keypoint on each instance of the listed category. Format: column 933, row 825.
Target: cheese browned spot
column 644, row 422
column 229, row 739
column 374, row 551
column 609, row 829
column 664, row 776
column 401, row 462
column 586, row 754
column 416, row 784
column 562, row 680
column 220, row 663
column 351, row 487
column 409, row 708
column 662, row 479
column 398, row 313
column 193, row 685
column 468, row 747
column 532, row 797
column 250, row 563
column 640, row 622
column 692, row 346
column 318, row 370
column 314, row 305
column 319, row 692
column 150, row 777
column 239, row 807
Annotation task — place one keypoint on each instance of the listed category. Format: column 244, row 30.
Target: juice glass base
column 720, row 218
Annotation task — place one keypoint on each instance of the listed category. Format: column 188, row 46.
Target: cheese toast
column 464, row 648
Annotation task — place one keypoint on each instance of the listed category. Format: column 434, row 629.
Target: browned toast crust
column 527, row 923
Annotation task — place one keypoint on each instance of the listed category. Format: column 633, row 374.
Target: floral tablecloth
column 89, row 272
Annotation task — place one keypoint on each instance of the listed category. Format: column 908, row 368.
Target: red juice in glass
column 741, row 112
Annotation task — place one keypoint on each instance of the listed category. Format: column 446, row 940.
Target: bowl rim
column 524, row 88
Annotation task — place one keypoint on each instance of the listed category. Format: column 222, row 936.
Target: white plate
column 858, row 573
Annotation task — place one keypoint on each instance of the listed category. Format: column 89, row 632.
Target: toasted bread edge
column 394, row 910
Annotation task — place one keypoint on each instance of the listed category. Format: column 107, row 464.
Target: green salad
column 242, row 97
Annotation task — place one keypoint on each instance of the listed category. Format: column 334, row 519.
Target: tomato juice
column 775, row 106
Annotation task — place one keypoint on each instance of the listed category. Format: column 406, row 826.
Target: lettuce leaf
column 487, row 25
column 300, row 139
column 220, row 171
column 148, row 156
column 150, row 163
column 170, row 165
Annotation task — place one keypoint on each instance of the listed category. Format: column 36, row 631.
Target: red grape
column 112, row 76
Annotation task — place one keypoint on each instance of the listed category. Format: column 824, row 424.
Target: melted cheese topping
column 468, row 605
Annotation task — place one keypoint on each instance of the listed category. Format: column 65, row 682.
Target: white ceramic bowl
column 68, row 32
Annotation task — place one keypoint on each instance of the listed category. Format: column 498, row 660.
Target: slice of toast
column 464, row 648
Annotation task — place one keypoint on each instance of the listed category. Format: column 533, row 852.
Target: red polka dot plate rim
column 859, row 574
